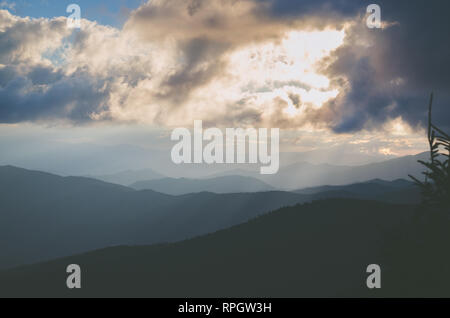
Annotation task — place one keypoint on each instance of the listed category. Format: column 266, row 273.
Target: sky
column 311, row 68
column 113, row 12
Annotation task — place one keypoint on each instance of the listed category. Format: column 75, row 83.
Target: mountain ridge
column 44, row 216
column 304, row 174
column 225, row 184
column 306, row 250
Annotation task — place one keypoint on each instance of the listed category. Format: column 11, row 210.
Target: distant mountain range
column 293, row 176
column 315, row 250
column 303, row 174
column 44, row 216
column 130, row 176
column 88, row 159
column 226, row 184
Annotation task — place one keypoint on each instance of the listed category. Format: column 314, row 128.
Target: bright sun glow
column 288, row 68
column 275, row 78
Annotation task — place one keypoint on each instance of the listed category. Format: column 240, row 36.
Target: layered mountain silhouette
column 44, row 216
column 304, row 174
column 130, row 176
column 226, row 184
column 320, row 249
column 89, row 159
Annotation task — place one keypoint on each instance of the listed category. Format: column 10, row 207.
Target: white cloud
column 227, row 62
column 174, row 61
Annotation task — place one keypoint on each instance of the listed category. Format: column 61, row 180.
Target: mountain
column 226, row 184
column 304, row 174
column 376, row 186
column 320, row 249
column 78, row 158
column 341, row 155
column 44, row 216
column 397, row 191
column 130, row 176
column 82, row 158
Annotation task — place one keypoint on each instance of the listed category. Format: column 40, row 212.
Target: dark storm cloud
column 41, row 74
column 395, row 75
column 72, row 98
column 201, row 63
column 418, row 50
column 7, row 73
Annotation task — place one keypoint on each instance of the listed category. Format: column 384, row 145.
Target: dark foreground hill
column 318, row 249
column 397, row 191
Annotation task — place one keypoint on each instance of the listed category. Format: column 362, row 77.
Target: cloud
column 172, row 62
column 391, row 72
column 277, row 63
column 32, row 88
column 70, row 98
